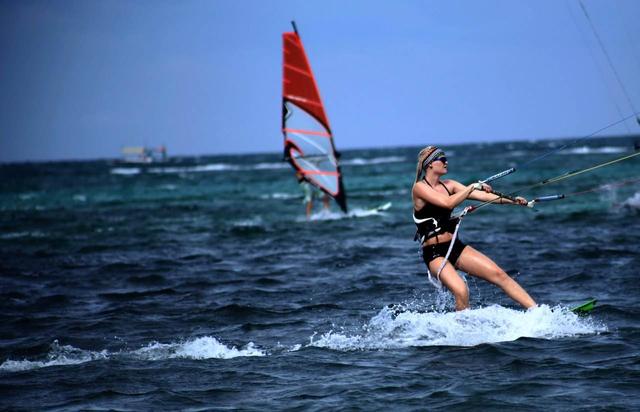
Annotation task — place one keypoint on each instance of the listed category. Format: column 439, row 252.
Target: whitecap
column 326, row 214
column 267, row 166
column 127, row 171
column 16, row 235
column 57, row 356
column 466, row 328
column 198, row 348
column 594, row 150
column 633, row 202
column 28, row 195
column 253, row 222
column 359, row 161
column 211, row 167
column 206, row 347
column 284, row 196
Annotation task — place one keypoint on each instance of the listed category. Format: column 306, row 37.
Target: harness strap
column 437, row 283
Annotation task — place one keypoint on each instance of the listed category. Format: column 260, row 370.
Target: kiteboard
column 585, row 308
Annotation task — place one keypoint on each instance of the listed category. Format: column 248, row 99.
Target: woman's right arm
column 430, row 195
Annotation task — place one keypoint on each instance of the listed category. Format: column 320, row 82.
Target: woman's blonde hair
column 424, row 153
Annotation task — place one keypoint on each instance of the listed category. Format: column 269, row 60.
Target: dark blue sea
column 199, row 284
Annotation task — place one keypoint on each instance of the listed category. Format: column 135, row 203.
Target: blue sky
column 81, row 79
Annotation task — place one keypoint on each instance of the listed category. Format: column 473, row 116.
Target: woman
column 433, row 202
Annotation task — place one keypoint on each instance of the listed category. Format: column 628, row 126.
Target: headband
column 434, row 154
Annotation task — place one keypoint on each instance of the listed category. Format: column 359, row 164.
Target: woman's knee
column 460, row 292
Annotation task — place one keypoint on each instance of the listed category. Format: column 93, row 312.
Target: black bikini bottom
column 437, row 250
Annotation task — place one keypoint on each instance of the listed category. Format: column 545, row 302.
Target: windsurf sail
column 308, row 141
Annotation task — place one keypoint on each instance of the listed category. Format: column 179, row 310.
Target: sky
column 80, row 79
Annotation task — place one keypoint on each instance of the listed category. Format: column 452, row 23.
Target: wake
column 467, row 328
column 385, row 331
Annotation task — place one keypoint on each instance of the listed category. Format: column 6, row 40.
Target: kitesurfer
column 433, row 202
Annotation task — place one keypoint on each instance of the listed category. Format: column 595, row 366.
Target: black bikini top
column 433, row 220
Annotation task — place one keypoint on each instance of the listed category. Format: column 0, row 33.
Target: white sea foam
column 57, row 356
column 467, row 328
column 359, row 161
column 16, row 235
column 211, row 167
column 281, row 196
column 325, row 214
column 28, row 195
column 206, row 347
column 593, row 150
column 633, row 202
column 222, row 167
column 253, row 222
column 216, row 167
column 125, row 171
column 387, row 193
column 266, row 166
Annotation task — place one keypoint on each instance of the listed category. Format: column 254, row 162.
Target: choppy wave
column 359, row 161
column 222, row 167
column 325, row 214
column 491, row 324
column 28, row 196
column 212, row 167
column 466, row 328
column 267, row 166
column 252, row 222
column 206, row 347
column 16, row 235
column 126, row 171
column 593, row 150
column 279, row 195
column 59, row 355
column 633, row 202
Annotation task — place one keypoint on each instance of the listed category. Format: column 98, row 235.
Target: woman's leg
column 479, row 265
column 452, row 281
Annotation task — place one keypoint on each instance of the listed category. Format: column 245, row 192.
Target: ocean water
column 199, row 284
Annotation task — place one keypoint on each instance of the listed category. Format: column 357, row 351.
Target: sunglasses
column 443, row 159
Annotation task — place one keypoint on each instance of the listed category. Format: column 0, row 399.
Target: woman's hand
column 482, row 186
column 521, row 201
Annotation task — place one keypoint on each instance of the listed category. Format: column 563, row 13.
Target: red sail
column 308, row 142
column 298, row 83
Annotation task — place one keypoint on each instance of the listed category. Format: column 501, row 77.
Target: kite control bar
column 499, row 175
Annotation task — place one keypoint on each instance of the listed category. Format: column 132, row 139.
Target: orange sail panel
column 308, row 141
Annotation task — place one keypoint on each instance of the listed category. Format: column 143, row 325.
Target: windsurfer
column 433, row 202
column 310, row 192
